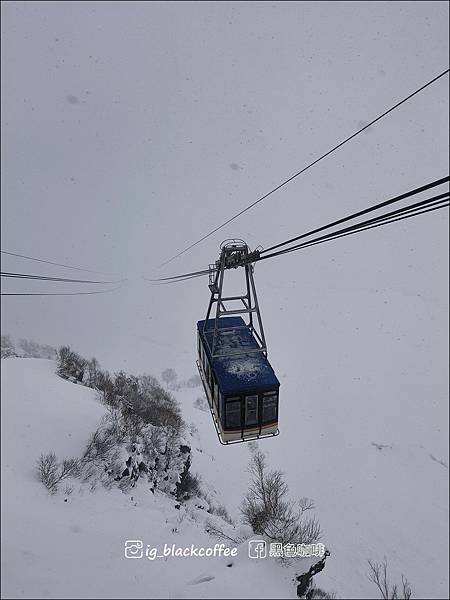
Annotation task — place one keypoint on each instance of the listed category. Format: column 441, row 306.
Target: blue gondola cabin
column 240, row 384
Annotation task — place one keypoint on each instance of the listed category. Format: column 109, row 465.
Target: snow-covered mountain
column 71, row 543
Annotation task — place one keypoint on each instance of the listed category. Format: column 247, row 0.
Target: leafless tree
column 7, row 347
column 194, row 381
column 169, row 376
column 92, row 367
column 378, row 575
column 51, row 472
column 70, row 365
column 269, row 512
column 99, row 446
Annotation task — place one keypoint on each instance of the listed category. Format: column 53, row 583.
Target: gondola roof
column 247, row 372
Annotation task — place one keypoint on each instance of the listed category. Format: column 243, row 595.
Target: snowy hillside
column 71, row 545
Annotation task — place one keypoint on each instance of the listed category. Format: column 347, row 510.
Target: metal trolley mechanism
column 239, row 382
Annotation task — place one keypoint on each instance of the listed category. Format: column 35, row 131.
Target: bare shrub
column 141, row 413
column 70, row 365
column 169, row 456
column 105, row 385
column 201, row 403
column 378, row 575
column 269, row 512
column 218, row 532
column 88, row 472
column 133, row 425
column 194, row 381
column 220, row 511
column 47, row 468
column 70, row 467
column 91, row 371
column 153, row 442
column 125, row 484
column 189, row 484
column 316, row 592
column 99, row 446
column 51, row 472
column 113, row 425
column 32, row 349
column 169, row 376
column 7, row 347
column 143, row 396
column 140, row 399
column 193, row 429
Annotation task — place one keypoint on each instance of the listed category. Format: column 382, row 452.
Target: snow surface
column 248, row 367
column 374, row 499
column 72, row 545
column 366, row 459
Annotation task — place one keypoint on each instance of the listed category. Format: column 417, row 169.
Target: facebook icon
column 257, row 549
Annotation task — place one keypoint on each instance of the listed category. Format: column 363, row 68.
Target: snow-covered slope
column 375, row 497
column 373, row 500
column 72, row 545
column 363, row 416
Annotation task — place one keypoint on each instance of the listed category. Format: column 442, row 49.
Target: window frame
column 228, row 401
column 254, row 423
column 271, row 395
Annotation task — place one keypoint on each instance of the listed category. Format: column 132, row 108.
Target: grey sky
column 131, row 129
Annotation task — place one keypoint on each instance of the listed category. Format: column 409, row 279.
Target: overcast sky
column 130, row 129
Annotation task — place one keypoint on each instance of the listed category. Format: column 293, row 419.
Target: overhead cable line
column 194, row 273
column 62, row 294
column 413, row 192
column 361, row 212
column 48, row 278
column 49, row 262
column 181, row 278
column 238, row 214
column 429, row 205
column 425, row 206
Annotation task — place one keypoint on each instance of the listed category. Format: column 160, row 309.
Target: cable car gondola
column 240, row 384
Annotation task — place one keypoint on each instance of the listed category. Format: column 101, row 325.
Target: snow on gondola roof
column 250, row 371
